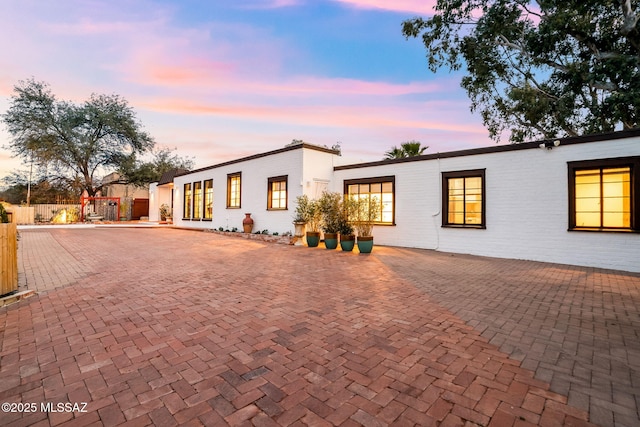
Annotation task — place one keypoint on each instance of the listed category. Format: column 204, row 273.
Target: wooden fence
column 21, row 214
column 8, row 258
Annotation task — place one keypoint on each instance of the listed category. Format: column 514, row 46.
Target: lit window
column 187, row 201
column 601, row 194
column 277, row 193
column 208, row 199
column 197, row 200
column 382, row 188
column 233, row 190
column 463, row 199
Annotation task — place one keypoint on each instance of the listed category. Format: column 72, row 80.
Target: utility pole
column 29, row 183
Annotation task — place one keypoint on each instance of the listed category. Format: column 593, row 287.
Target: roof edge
column 583, row 139
column 266, row 154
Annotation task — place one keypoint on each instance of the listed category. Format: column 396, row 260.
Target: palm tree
column 407, row 149
column 413, row 148
column 395, row 153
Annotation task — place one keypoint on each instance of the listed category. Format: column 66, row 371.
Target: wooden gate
column 140, row 208
column 8, row 258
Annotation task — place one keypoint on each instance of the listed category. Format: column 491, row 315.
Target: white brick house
column 220, row 195
column 575, row 203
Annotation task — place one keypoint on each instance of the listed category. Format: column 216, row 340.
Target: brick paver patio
column 174, row 327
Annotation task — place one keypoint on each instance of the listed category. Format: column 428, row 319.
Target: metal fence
column 44, row 212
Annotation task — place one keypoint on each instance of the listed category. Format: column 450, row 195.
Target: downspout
column 437, row 214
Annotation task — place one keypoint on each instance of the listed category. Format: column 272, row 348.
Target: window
column 601, row 194
column 277, row 193
column 208, row 199
column 463, row 195
column 233, row 190
column 197, row 200
column 187, row 201
column 383, row 188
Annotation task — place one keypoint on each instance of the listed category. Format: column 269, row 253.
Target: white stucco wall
column 527, row 210
column 254, row 182
column 154, row 205
column 158, row 195
column 317, row 172
column 526, row 207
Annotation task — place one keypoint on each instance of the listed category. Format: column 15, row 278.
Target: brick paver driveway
column 166, row 327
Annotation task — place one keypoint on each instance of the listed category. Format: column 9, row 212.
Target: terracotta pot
column 247, row 223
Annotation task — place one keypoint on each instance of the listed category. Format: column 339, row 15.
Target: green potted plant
column 330, row 207
column 307, row 211
column 367, row 212
column 165, row 212
column 345, row 228
column 299, row 219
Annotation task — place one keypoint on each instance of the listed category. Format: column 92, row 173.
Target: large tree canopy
column 42, row 189
column 540, row 69
column 141, row 173
column 73, row 141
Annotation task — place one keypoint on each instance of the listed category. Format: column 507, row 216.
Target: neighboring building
column 134, row 200
column 113, row 185
column 573, row 202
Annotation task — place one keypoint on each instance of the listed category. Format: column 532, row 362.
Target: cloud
column 420, row 7
column 228, row 84
column 343, row 87
column 269, row 4
column 333, row 116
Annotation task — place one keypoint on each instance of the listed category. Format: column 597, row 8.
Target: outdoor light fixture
column 549, row 144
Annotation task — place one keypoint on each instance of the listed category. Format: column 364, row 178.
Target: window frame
column 376, row 180
column 270, row 182
column 230, row 177
column 471, row 173
column 197, row 205
column 633, row 163
column 205, row 216
column 186, row 204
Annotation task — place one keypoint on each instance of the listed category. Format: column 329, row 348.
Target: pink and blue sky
column 220, row 79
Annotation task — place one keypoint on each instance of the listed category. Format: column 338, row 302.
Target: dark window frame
column 204, row 200
column 270, row 181
column 471, row 173
column 186, row 204
column 229, row 179
column 195, row 202
column 633, row 163
column 376, row 180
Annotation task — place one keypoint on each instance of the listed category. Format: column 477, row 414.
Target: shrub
column 4, row 217
column 367, row 212
column 330, row 206
column 308, row 211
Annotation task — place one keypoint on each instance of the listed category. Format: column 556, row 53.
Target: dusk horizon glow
column 219, row 81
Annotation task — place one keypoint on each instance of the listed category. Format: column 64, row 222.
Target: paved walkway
column 577, row 328
column 166, row 327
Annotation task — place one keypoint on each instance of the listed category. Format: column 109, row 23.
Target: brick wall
column 526, row 207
